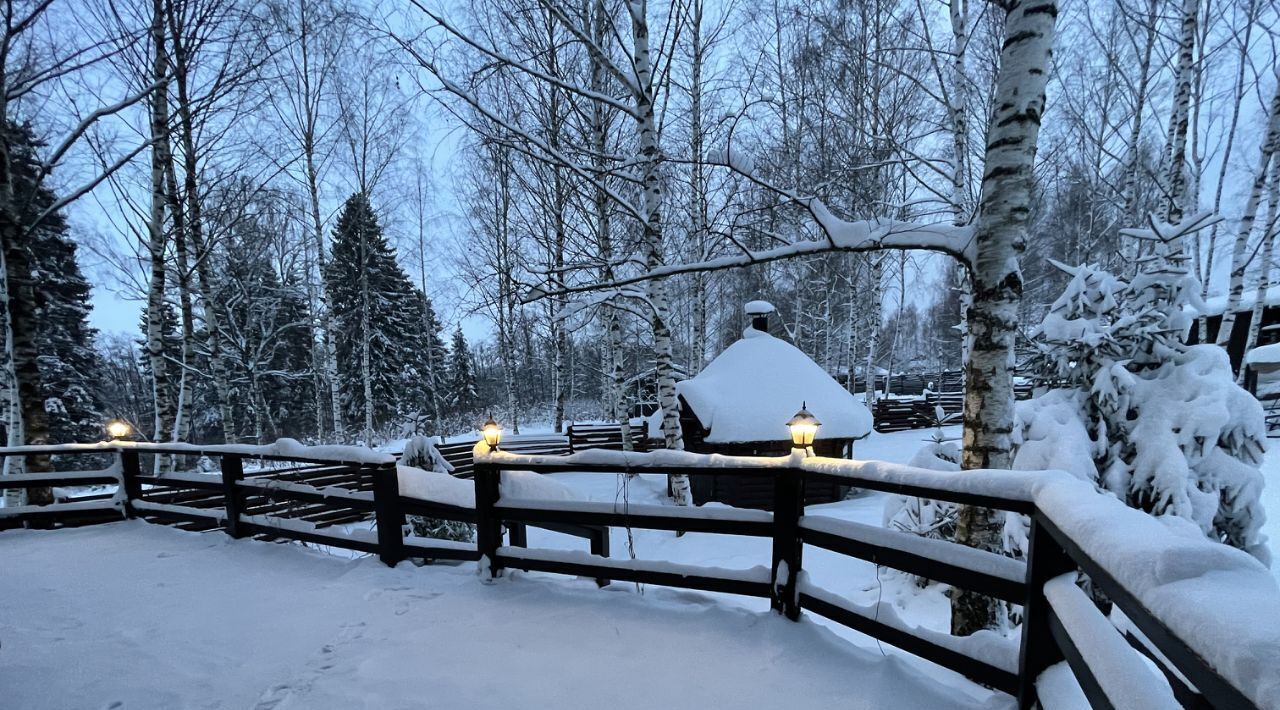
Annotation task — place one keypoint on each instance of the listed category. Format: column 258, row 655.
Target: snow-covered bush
column 923, row 516
column 1161, row 425
column 421, row 452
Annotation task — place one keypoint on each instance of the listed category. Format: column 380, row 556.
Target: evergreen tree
column 66, row 362
column 462, row 377
column 172, row 343
column 1166, row 427
column 425, row 385
column 377, row 315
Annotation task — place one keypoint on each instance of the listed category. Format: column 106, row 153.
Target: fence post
column 232, row 474
column 389, row 514
column 1045, row 560
column 130, row 471
column 488, row 524
column 788, row 506
column 600, row 546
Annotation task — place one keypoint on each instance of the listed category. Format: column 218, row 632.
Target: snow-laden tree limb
column 840, row 236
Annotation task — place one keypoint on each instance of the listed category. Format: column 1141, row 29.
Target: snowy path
column 130, row 615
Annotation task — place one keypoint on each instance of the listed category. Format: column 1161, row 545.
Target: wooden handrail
column 1047, row 638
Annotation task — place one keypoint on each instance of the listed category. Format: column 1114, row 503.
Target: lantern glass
column 492, row 432
column 118, row 429
column 804, row 428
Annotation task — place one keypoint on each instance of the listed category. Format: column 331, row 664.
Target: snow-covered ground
column 131, row 615
column 154, row 617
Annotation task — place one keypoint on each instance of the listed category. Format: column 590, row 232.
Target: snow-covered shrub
column 421, row 452
column 1159, row 424
column 922, row 516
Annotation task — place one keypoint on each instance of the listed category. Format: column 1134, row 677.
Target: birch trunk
column 873, row 324
column 182, row 419
column 697, row 186
column 1265, row 265
column 310, row 121
column 195, row 227
column 614, row 362
column 1130, row 248
column 1001, row 233
column 959, row 111
column 162, row 428
column 1239, row 252
column 12, row 465
column 1176, row 177
column 651, row 188
column 328, row 349
column 1242, row 62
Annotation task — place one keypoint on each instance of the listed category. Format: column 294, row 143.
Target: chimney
column 759, row 312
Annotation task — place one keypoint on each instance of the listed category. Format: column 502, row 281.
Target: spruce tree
column 377, row 315
column 66, row 362
column 462, row 377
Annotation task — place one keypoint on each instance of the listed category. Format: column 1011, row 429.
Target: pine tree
column 462, row 378
column 66, row 361
column 377, row 320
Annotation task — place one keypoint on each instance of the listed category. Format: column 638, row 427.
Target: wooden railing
column 302, row 501
column 1040, row 585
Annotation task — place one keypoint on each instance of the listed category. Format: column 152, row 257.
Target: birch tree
column 991, row 246
column 1249, row 216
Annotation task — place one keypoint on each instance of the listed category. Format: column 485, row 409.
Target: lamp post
column 804, row 427
column 118, row 429
column 492, row 432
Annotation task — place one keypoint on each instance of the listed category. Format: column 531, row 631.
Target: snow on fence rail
column 1170, row 586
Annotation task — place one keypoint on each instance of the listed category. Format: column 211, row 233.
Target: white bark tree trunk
column 1176, row 199
column 1265, row 263
column 1001, row 233
column 162, row 427
column 1242, row 62
column 1134, row 144
column 1248, row 218
column 651, row 206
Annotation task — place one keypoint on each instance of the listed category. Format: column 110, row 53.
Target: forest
column 248, row 171
column 355, row 222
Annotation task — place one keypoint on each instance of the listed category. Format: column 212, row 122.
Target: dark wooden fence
column 304, row 500
column 577, row 437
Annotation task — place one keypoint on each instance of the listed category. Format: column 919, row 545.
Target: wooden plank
column 28, row 480
column 270, row 491
column 620, row 570
column 314, row 538
column 431, row 509
column 415, row 549
column 1093, row 691
column 985, row 501
column 676, row 522
column 934, row 568
column 1187, row 696
column 1217, row 691
column 213, row 484
column 971, row 668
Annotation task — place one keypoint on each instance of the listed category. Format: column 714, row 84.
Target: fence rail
column 310, row 499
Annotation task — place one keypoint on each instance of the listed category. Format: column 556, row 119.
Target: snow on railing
column 1211, row 613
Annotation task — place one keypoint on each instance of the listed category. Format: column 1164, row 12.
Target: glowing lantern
column 118, row 429
column 804, row 427
column 492, row 432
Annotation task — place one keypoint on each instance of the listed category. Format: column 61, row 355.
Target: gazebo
column 740, row 403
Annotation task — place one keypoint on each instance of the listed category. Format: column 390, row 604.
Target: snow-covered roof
column 1215, row 305
column 752, row 388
